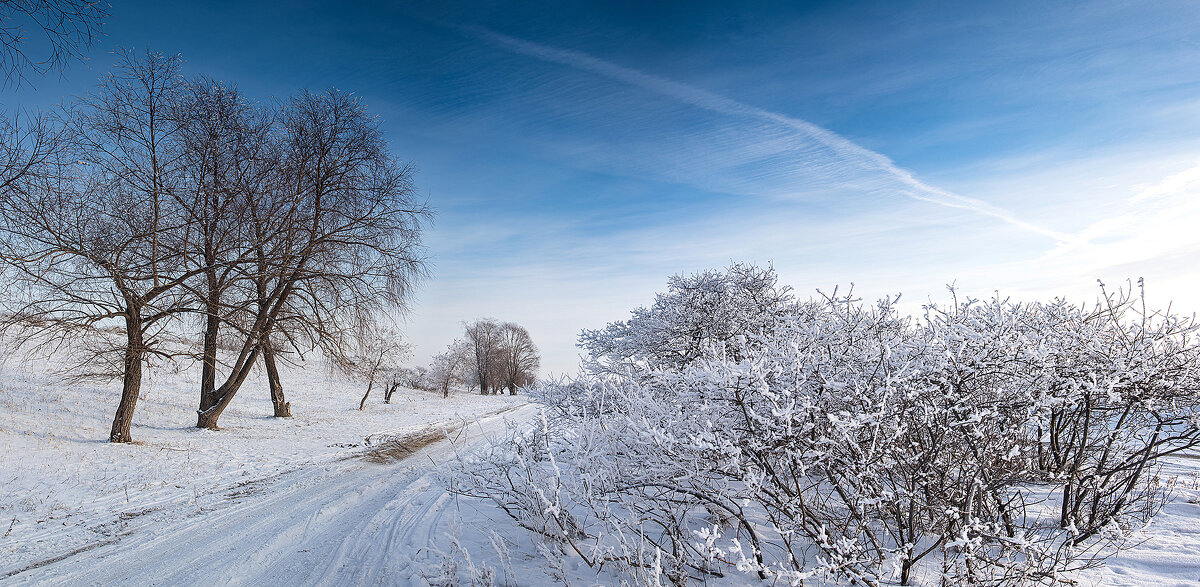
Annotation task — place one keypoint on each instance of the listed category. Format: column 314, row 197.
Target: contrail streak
column 847, row 150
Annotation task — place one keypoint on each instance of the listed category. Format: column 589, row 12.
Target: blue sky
column 578, row 153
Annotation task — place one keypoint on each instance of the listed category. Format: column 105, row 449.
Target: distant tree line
column 158, row 204
column 502, row 356
column 492, row 357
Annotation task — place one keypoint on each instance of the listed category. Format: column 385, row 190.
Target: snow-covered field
column 307, row 500
column 66, row 492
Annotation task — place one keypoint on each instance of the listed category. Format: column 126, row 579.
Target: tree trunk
column 214, row 404
column 211, row 330
column 209, row 360
column 207, row 417
column 208, row 399
column 217, row 402
column 135, row 352
column 283, row 408
column 365, row 395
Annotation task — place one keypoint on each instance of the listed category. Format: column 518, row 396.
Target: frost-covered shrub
column 1120, row 392
column 418, row 377
column 984, row 443
column 698, row 313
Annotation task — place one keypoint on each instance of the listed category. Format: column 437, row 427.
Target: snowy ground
column 1169, row 554
column 307, row 500
column 225, row 497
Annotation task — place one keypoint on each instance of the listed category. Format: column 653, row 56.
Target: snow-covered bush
column 984, row 443
column 415, row 377
column 1120, row 392
column 697, row 314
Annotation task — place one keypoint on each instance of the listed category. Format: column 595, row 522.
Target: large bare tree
column 345, row 243
column 484, row 337
column 502, row 354
column 158, row 198
column 232, row 161
column 98, row 241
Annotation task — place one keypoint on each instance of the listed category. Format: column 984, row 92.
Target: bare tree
column 379, row 356
column 168, row 198
column 412, row 377
column 344, row 240
column 64, row 30
column 519, row 357
column 484, row 336
column 232, row 161
column 98, row 242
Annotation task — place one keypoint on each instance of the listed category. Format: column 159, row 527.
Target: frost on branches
column 697, row 313
column 730, row 429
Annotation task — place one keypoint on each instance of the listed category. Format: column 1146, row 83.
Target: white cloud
column 854, row 159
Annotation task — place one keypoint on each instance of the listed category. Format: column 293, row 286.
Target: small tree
column 378, row 359
column 451, row 366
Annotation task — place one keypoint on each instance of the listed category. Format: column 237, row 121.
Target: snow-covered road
column 351, row 522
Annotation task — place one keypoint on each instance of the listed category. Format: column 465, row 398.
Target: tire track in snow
column 350, row 523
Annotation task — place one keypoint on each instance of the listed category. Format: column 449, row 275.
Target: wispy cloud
column 853, row 157
column 1173, row 184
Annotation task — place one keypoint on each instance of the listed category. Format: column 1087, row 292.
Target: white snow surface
column 261, row 501
column 309, row 500
column 1168, row 554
